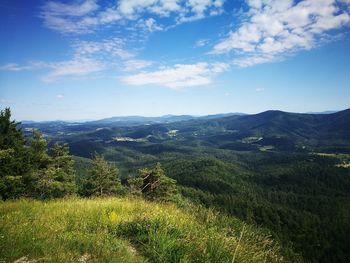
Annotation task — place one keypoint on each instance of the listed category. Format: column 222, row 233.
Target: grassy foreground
column 126, row 230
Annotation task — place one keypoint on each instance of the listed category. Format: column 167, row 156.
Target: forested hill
column 274, row 122
column 283, row 122
column 287, row 172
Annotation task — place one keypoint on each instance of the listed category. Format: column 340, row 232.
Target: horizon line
column 178, row 115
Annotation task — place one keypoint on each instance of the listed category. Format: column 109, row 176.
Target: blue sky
column 90, row 59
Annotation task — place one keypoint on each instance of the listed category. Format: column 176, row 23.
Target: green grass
column 126, row 230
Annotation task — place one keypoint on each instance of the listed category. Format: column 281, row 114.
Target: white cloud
column 69, row 18
column 177, row 77
column 78, row 66
column 109, row 47
column 136, row 64
column 110, row 15
column 138, row 17
column 201, row 43
column 275, row 28
column 198, row 9
column 132, row 8
column 59, row 96
column 86, row 16
column 252, row 60
column 15, row 67
column 59, row 9
column 151, row 25
column 73, row 68
column 88, row 57
column 186, row 10
column 259, row 89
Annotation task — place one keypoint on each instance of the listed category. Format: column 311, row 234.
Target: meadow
column 127, row 230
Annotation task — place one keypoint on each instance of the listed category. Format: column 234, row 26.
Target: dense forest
column 266, row 171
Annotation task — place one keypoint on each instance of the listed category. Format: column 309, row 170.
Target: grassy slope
column 126, row 230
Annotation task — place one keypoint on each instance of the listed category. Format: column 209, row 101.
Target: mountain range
column 267, row 131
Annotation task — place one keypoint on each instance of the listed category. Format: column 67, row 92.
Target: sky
column 91, row 59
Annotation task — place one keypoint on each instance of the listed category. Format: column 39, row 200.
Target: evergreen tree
column 30, row 171
column 55, row 175
column 154, row 184
column 63, row 164
column 39, row 157
column 103, row 178
column 58, row 178
column 135, row 185
column 10, row 135
column 45, row 185
column 13, row 157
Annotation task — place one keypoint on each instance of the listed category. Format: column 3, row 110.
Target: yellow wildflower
column 113, row 217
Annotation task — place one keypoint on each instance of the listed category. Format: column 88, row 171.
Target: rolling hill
column 288, row 172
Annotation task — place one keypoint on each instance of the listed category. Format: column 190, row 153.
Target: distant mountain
column 137, row 120
column 322, row 112
column 278, row 130
column 222, row 115
column 292, row 124
column 283, row 130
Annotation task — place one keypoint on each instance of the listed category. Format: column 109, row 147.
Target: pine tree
column 30, row 171
column 63, row 164
column 103, row 178
column 39, row 157
column 55, row 175
column 13, row 157
column 156, row 185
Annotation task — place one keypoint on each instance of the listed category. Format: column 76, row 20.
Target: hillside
column 127, row 230
column 286, row 172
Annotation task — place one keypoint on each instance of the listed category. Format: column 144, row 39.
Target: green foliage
column 64, row 165
column 11, row 186
column 57, row 178
column 11, row 137
column 30, row 171
column 13, row 157
column 39, row 157
column 153, row 184
column 103, row 179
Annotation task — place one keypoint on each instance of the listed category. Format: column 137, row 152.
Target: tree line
column 29, row 168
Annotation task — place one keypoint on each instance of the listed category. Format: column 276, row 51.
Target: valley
column 285, row 172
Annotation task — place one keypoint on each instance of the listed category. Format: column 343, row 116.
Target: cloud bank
column 273, row 28
column 87, row 16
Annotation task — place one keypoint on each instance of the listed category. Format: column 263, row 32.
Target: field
column 126, row 230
